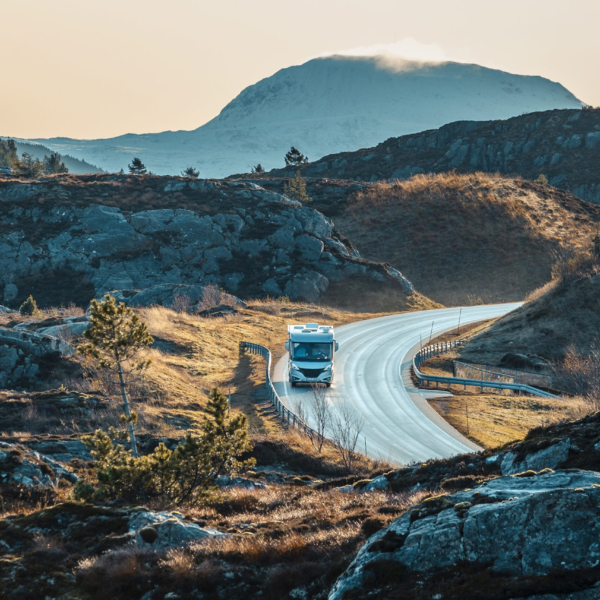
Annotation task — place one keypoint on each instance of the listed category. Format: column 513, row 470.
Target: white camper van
column 312, row 348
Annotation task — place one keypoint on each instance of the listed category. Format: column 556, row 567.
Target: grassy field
column 492, row 419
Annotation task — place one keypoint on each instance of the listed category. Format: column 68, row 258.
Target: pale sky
column 101, row 68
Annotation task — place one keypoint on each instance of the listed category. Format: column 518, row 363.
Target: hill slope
column 564, row 145
column 328, row 105
column 463, row 237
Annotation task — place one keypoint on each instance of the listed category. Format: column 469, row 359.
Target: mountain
column 328, row 105
column 75, row 166
column 563, row 145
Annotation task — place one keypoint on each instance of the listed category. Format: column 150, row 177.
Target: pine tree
column 542, row 179
column 296, row 188
column 190, row 172
column 115, row 338
column 258, row 169
column 295, row 158
column 137, row 167
column 8, row 153
column 29, row 307
column 27, row 166
column 54, row 164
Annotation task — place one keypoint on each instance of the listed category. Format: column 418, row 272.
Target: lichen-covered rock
column 515, row 526
column 548, row 458
column 163, row 530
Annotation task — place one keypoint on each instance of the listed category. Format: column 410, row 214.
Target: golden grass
column 479, row 235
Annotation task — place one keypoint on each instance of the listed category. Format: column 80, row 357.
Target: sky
column 101, row 68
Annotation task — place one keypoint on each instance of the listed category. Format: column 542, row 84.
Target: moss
column 526, row 474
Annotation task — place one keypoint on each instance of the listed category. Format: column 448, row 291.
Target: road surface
column 372, row 374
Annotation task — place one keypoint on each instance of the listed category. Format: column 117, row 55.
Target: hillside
column 560, row 322
column 462, row 239
column 71, row 238
column 564, row 145
column 326, row 105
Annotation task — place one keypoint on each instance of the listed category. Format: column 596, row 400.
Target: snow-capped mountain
column 327, row 105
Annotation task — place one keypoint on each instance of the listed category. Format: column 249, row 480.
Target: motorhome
column 311, row 348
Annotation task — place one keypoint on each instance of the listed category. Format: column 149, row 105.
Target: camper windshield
column 312, row 351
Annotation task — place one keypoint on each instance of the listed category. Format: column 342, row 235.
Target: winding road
column 372, row 373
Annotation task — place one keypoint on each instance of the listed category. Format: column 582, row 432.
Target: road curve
column 372, row 373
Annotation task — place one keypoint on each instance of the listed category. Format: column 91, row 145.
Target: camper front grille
column 311, row 373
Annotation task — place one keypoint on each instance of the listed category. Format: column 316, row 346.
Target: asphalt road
column 372, row 374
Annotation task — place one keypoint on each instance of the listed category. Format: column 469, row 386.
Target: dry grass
column 493, row 418
column 486, row 236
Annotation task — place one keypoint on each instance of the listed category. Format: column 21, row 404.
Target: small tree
column 29, row 307
column 137, row 167
column 596, row 245
column 27, row 166
column 115, row 337
column 258, row 169
column 542, row 179
column 190, row 172
column 54, row 164
column 295, row 158
column 321, row 412
column 296, row 188
column 346, row 427
column 8, row 153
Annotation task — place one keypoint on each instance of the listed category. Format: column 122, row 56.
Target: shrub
column 184, row 475
column 29, row 307
column 372, row 525
column 542, row 179
column 296, row 189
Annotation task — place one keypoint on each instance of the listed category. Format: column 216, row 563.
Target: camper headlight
column 295, row 368
column 327, row 368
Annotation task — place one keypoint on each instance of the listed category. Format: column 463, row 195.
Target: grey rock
column 308, row 285
column 271, row 287
column 172, row 530
column 11, row 291
column 527, row 526
column 151, row 221
column 592, row 140
column 5, row 309
column 309, row 246
column 548, row 458
column 218, row 253
column 36, row 344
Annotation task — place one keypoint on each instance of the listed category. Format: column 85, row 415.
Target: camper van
column 312, row 348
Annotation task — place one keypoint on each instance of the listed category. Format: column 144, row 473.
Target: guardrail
column 283, row 411
column 442, row 348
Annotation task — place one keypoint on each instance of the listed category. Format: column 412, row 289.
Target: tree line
column 27, row 165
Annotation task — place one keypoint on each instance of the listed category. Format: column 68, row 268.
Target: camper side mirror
column 337, row 346
column 287, row 346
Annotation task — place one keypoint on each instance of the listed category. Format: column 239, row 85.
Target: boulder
column 519, row 526
column 307, row 285
column 164, row 530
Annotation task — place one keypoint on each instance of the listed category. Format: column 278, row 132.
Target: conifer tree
column 54, row 164
column 27, row 166
column 8, row 153
column 258, row 169
column 190, row 172
column 29, row 307
column 115, row 338
column 296, row 188
column 295, row 158
column 137, row 167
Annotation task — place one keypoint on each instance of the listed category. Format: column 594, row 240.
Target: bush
column 542, row 179
column 185, row 475
column 296, row 189
column 29, row 307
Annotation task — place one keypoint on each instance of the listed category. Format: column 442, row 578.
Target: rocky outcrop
column 516, row 527
column 20, row 466
column 564, row 145
column 169, row 232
